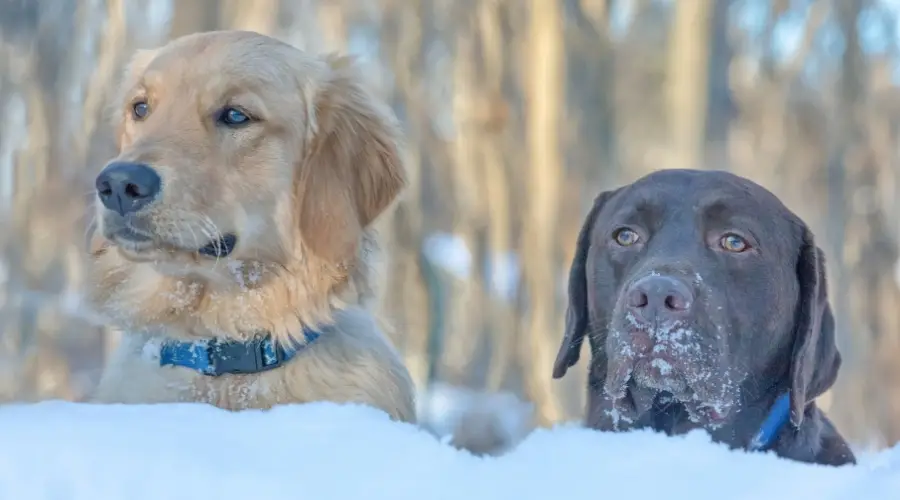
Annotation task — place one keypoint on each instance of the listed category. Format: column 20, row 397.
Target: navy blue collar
column 778, row 416
column 216, row 357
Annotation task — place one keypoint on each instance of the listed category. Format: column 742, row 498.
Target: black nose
column 659, row 298
column 127, row 187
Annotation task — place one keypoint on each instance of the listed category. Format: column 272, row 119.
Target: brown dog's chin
column 646, row 362
column 658, row 373
column 636, row 386
column 644, row 398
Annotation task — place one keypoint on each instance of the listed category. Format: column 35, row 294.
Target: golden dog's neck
column 234, row 299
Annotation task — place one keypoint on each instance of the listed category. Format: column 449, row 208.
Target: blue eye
column 233, row 117
column 140, row 110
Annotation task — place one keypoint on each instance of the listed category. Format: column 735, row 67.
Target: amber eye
column 140, row 110
column 733, row 243
column 626, row 237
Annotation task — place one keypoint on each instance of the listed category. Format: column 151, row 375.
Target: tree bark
column 688, row 82
column 544, row 104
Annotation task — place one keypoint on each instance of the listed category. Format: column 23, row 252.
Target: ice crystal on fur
column 617, row 418
column 184, row 295
column 151, row 349
column 247, row 274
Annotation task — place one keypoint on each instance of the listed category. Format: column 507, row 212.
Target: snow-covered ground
column 58, row 450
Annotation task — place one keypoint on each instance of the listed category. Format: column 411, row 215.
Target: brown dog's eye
column 626, row 237
column 140, row 110
column 733, row 243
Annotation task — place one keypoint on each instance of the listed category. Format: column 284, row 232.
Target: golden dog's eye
column 140, row 110
column 733, row 243
column 233, row 117
column 626, row 237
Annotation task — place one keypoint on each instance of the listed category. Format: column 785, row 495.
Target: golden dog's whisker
column 197, row 242
column 211, row 231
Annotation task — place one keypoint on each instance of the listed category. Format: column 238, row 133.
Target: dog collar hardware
column 215, row 357
column 778, row 416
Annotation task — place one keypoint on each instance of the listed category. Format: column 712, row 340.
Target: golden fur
column 300, row 187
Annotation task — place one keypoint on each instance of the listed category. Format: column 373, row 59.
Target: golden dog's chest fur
column 298, row 185
column 351, row 362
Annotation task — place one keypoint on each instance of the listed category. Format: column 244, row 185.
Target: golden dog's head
column 234, row 144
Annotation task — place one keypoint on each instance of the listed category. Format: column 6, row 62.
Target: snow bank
column 57, row 450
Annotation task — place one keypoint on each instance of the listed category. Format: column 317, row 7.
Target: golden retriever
column 239, row 208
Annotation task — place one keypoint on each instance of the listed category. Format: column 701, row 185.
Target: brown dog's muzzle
column 658, row 348
column 656, row 307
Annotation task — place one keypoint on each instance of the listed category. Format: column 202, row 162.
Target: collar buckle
column 237, row 358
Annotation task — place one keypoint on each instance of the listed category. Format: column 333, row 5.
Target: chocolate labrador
column 704, row 301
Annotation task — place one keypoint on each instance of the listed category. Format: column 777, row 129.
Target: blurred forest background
column 517, row 113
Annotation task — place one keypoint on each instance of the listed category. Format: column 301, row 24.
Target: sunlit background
column 517, row 113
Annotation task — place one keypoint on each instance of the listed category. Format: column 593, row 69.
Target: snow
column 58, row 450
column 443, row 406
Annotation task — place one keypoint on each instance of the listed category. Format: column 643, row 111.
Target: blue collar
column 778, row 416
column 215, row 357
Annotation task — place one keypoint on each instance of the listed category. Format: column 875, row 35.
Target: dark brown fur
column 758, row 323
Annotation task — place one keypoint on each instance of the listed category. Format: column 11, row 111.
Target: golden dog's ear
column 353, row 170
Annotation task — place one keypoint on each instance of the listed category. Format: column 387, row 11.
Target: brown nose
column 659, row 298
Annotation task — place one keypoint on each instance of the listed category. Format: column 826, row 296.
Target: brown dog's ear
column 353, row 170
column 577, row 309
column 815, row 358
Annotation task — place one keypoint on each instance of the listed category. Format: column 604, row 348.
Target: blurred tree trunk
column 465, row 327
column 860, row 252
column 492, row 128
column 259, row 15
column 591, row 75
column 545, row 84
column 60, row 93
column 843, row 140
column 104, row 75
column 405, row 295
column 194, row 15
column 332, row 16
column 591, row 159
column 720, row 108
column 688, row 81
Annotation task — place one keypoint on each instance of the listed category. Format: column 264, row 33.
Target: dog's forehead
column 702, row 189
column 247, row 60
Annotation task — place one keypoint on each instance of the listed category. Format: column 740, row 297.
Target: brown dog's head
column 233, row 144
column 699, row 288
